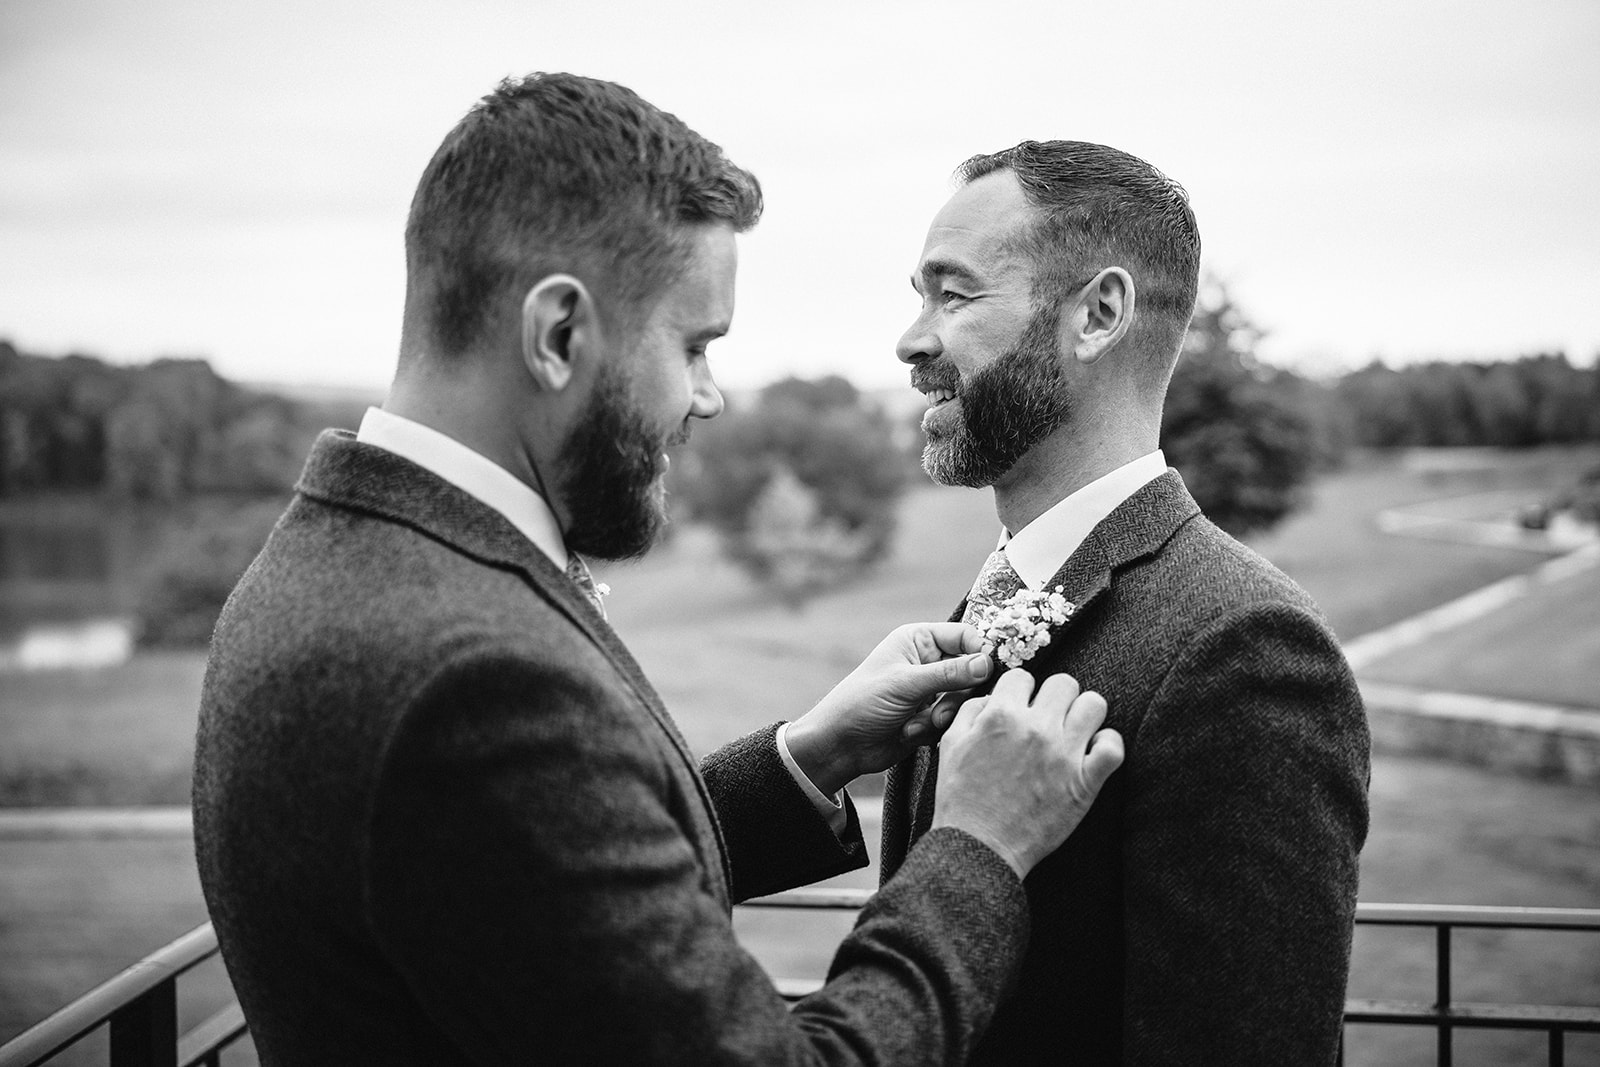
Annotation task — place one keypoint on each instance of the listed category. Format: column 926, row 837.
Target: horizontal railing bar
column 1393, row 1012
column 795, row 988
column 95, row 1007
column 219, row 1031
column 1475, row 1016
column 1479, row 916
column 840, row 899
column 1464, row 915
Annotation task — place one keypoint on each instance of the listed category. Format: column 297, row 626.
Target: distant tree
column 802, row 486
column 1243, row 434
column 162, row 431
column 791, row 546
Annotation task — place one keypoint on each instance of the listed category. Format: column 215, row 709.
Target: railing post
column 1442, row 993
column 1558, row 1047
column 144, row 1033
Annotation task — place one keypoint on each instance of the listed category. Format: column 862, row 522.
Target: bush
column 802, row 486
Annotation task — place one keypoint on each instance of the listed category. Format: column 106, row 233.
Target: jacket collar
column 1137, row 528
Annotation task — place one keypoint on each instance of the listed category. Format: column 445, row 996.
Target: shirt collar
column 1039, row 549
column 471, row 472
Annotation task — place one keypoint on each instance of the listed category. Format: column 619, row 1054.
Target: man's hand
column 1019, row 775
column 884, row 708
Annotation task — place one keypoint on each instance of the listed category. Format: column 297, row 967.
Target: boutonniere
column 1018, row 627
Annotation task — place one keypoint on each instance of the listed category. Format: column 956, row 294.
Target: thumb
column 1105, row 755
column 928, row 680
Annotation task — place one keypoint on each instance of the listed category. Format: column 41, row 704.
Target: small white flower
column 1015, row 630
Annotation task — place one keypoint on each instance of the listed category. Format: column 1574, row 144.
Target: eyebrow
column 945, row 268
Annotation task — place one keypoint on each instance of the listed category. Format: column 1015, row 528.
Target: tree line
column 164, row 431
column 802, row 481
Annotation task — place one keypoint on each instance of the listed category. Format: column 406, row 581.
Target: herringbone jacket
column 1202, row 912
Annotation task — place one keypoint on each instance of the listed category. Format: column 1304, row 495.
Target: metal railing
column 141, row 1007
column 141, row 1004
column 1444, row 1014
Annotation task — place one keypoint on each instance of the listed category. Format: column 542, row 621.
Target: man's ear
column 1105, row 316
column 560, row 330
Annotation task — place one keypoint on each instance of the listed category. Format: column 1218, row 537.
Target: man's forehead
column 700, row 300
column 974, row 233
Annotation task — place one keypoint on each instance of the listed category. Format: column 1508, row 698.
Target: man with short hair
column 1202, row 913
column 441, row 816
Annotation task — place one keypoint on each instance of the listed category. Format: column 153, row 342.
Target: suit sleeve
column 776, row 839
column 1246, row 812
column 531, row 875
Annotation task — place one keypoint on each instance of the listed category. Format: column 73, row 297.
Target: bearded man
column 1202, row 913
column 440, row 814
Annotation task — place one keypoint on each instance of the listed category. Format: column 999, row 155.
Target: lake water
column 65, row 574
column 73, row 571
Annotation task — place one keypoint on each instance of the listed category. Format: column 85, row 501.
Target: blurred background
column 1390, row 388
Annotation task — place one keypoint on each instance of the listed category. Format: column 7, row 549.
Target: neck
column 476, row 414
column 1078, row 453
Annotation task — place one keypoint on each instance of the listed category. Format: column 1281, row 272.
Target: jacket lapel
column 1135, row 529
column 347, row 473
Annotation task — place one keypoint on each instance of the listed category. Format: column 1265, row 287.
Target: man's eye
column 947, row 295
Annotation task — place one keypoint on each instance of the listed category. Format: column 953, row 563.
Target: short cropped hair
column 557, row 172
column 1098, row 208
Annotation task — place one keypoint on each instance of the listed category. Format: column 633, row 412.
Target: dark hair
column 1102, row 208
column 560, row 172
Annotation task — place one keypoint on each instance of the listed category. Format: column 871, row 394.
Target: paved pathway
column 1546, row 739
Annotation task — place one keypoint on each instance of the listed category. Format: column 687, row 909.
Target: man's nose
column 707, row 402
column 918, row 343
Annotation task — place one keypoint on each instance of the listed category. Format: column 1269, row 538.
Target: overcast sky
column 1403, row 179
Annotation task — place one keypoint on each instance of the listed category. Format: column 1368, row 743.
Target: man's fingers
column 937, row 640
column 961, row 725
column 949, row 675
column 1085, row 715
column 1015, row 687
column 944, row 710
column 1105, row 755
column 1057, row 690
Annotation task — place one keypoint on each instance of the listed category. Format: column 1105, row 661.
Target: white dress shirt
column 1039, row 549
column 497, row 488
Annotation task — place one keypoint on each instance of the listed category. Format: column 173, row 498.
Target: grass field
column 1544, row 648
column 726, row 659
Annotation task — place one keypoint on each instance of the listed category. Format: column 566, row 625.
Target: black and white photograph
column 1038, row 533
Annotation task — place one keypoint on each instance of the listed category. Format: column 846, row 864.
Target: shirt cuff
column 830, row 808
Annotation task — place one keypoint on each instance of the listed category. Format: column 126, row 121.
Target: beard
column 1007, row 407
column 613, row 484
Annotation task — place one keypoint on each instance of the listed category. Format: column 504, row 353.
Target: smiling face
column 986, row 357
column 642, row 400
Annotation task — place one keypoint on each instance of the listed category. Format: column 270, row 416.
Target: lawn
column 726, row 659
column 1545, row 647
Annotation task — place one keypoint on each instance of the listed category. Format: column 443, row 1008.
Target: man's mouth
column 939, row 396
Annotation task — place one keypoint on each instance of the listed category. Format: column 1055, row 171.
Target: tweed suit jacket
column 1202, row 912
column 441, row 817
